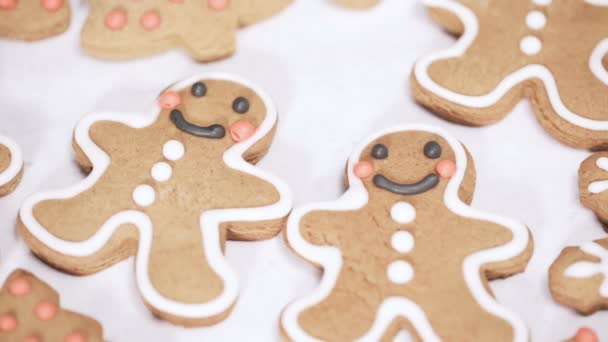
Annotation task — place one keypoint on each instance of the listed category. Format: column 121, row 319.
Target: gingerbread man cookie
column 11, row 165
column 118, row 29
column 30, row 312
column 401, row 250
column 593, row 184
column 169, row 188
column 579, row 277
column 552, row 51
column 357, row 3
column 32, row 19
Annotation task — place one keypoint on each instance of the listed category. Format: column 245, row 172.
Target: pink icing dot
column 150, row 20
column 20, row 287
column 75, row 337
column 446, row 168
column 31, row 339
column 52, row 5
column 45, row 311
column 218, row 5
column 169, row 100
column 363, row 169
column 241, row 130
column 8, row 322
column 8, row 4
column 586, row 335
column 116, row 19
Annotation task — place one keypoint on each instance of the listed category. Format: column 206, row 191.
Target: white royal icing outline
column 15, row 164
column 597, row 187
column 586, row 269
column 468, row 18
column 330, row 258
column 210, row 220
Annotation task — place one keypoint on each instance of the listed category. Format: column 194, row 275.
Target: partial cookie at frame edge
column 11, row 165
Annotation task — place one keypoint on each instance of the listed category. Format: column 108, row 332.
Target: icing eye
column 379, row 151
column 199, row 89
column 240, row 105
column 432, row 150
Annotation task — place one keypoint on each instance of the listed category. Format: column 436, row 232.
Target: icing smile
column 212, row 132
column 424, row 185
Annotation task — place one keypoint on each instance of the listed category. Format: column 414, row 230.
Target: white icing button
column 402, row 242
column 543, row 2
column 173, row 150
column 536, row 20
column 161, row 172
column 400, row 272
column 403, row 212
column 144, row 195
column 602, row 163
column 530, row 45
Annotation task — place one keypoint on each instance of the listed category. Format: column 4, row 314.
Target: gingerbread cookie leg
column 33, row 20
column 579, row 277
column 401, row 226
column 11, row 165
column 169, row 188
column 491, row 68
column 30, row 311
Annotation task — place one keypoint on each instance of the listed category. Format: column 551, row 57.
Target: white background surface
column 336, row 75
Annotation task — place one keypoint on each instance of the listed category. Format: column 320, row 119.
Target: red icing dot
column 8, row 322
column 218, row 5
column 31, row 339
column 45, row 311
column 75, row 337
column 363, row 169
column 586, row 335
column 52, row 5
column 169, row 100
column 150, row 20
column 8, row 4
column 116, row 19
column 241, row 130
column 19, row 287
column 446, row 168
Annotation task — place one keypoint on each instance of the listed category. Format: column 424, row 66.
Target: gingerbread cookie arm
column 253, row 11
column 578, row 278
column 11, row 165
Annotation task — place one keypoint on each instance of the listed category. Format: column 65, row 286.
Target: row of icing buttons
column 400, row 271
column 49, row 5
column 535, row 20
column 150, row 20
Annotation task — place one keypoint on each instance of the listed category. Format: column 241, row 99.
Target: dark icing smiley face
column 212, row 108
column 406, row 163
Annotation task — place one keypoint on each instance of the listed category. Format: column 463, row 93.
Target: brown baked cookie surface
column 578, row 278
column 11, row 165
column 33, row 20
column 593, row 184
column 170, row 187
column 357, row 3
column 403, row 250
column 30, row 311
column 508, row 50
column 206, row 29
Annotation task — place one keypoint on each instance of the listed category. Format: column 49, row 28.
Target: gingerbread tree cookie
column 169, row 188
column 401, row 250
column 206, row 29
column 30, row 312
column 593, row 184
column 579, row 277
column 33, row 19
column 11, row 165
column 552, row 51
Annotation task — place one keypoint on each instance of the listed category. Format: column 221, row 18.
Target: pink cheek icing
column 8, row 323
column 52, row 5
column 116, row 19
column 586, row 335
column 241, row 130
column 169, row 100
column 75, row 337
column 446, row 168
column 45, row 311
column 8, row 4
column 363, row 169
column 218, row 5
column 20, row 287
column 150, row 20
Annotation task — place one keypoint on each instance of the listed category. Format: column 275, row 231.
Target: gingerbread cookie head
column 33, row 20
column 11, row 165
column 593, row 184
column 205, row 29
column 30, row 311
column 404, row 224
column 169, row 188
column 578, row 278
column 508, row 50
